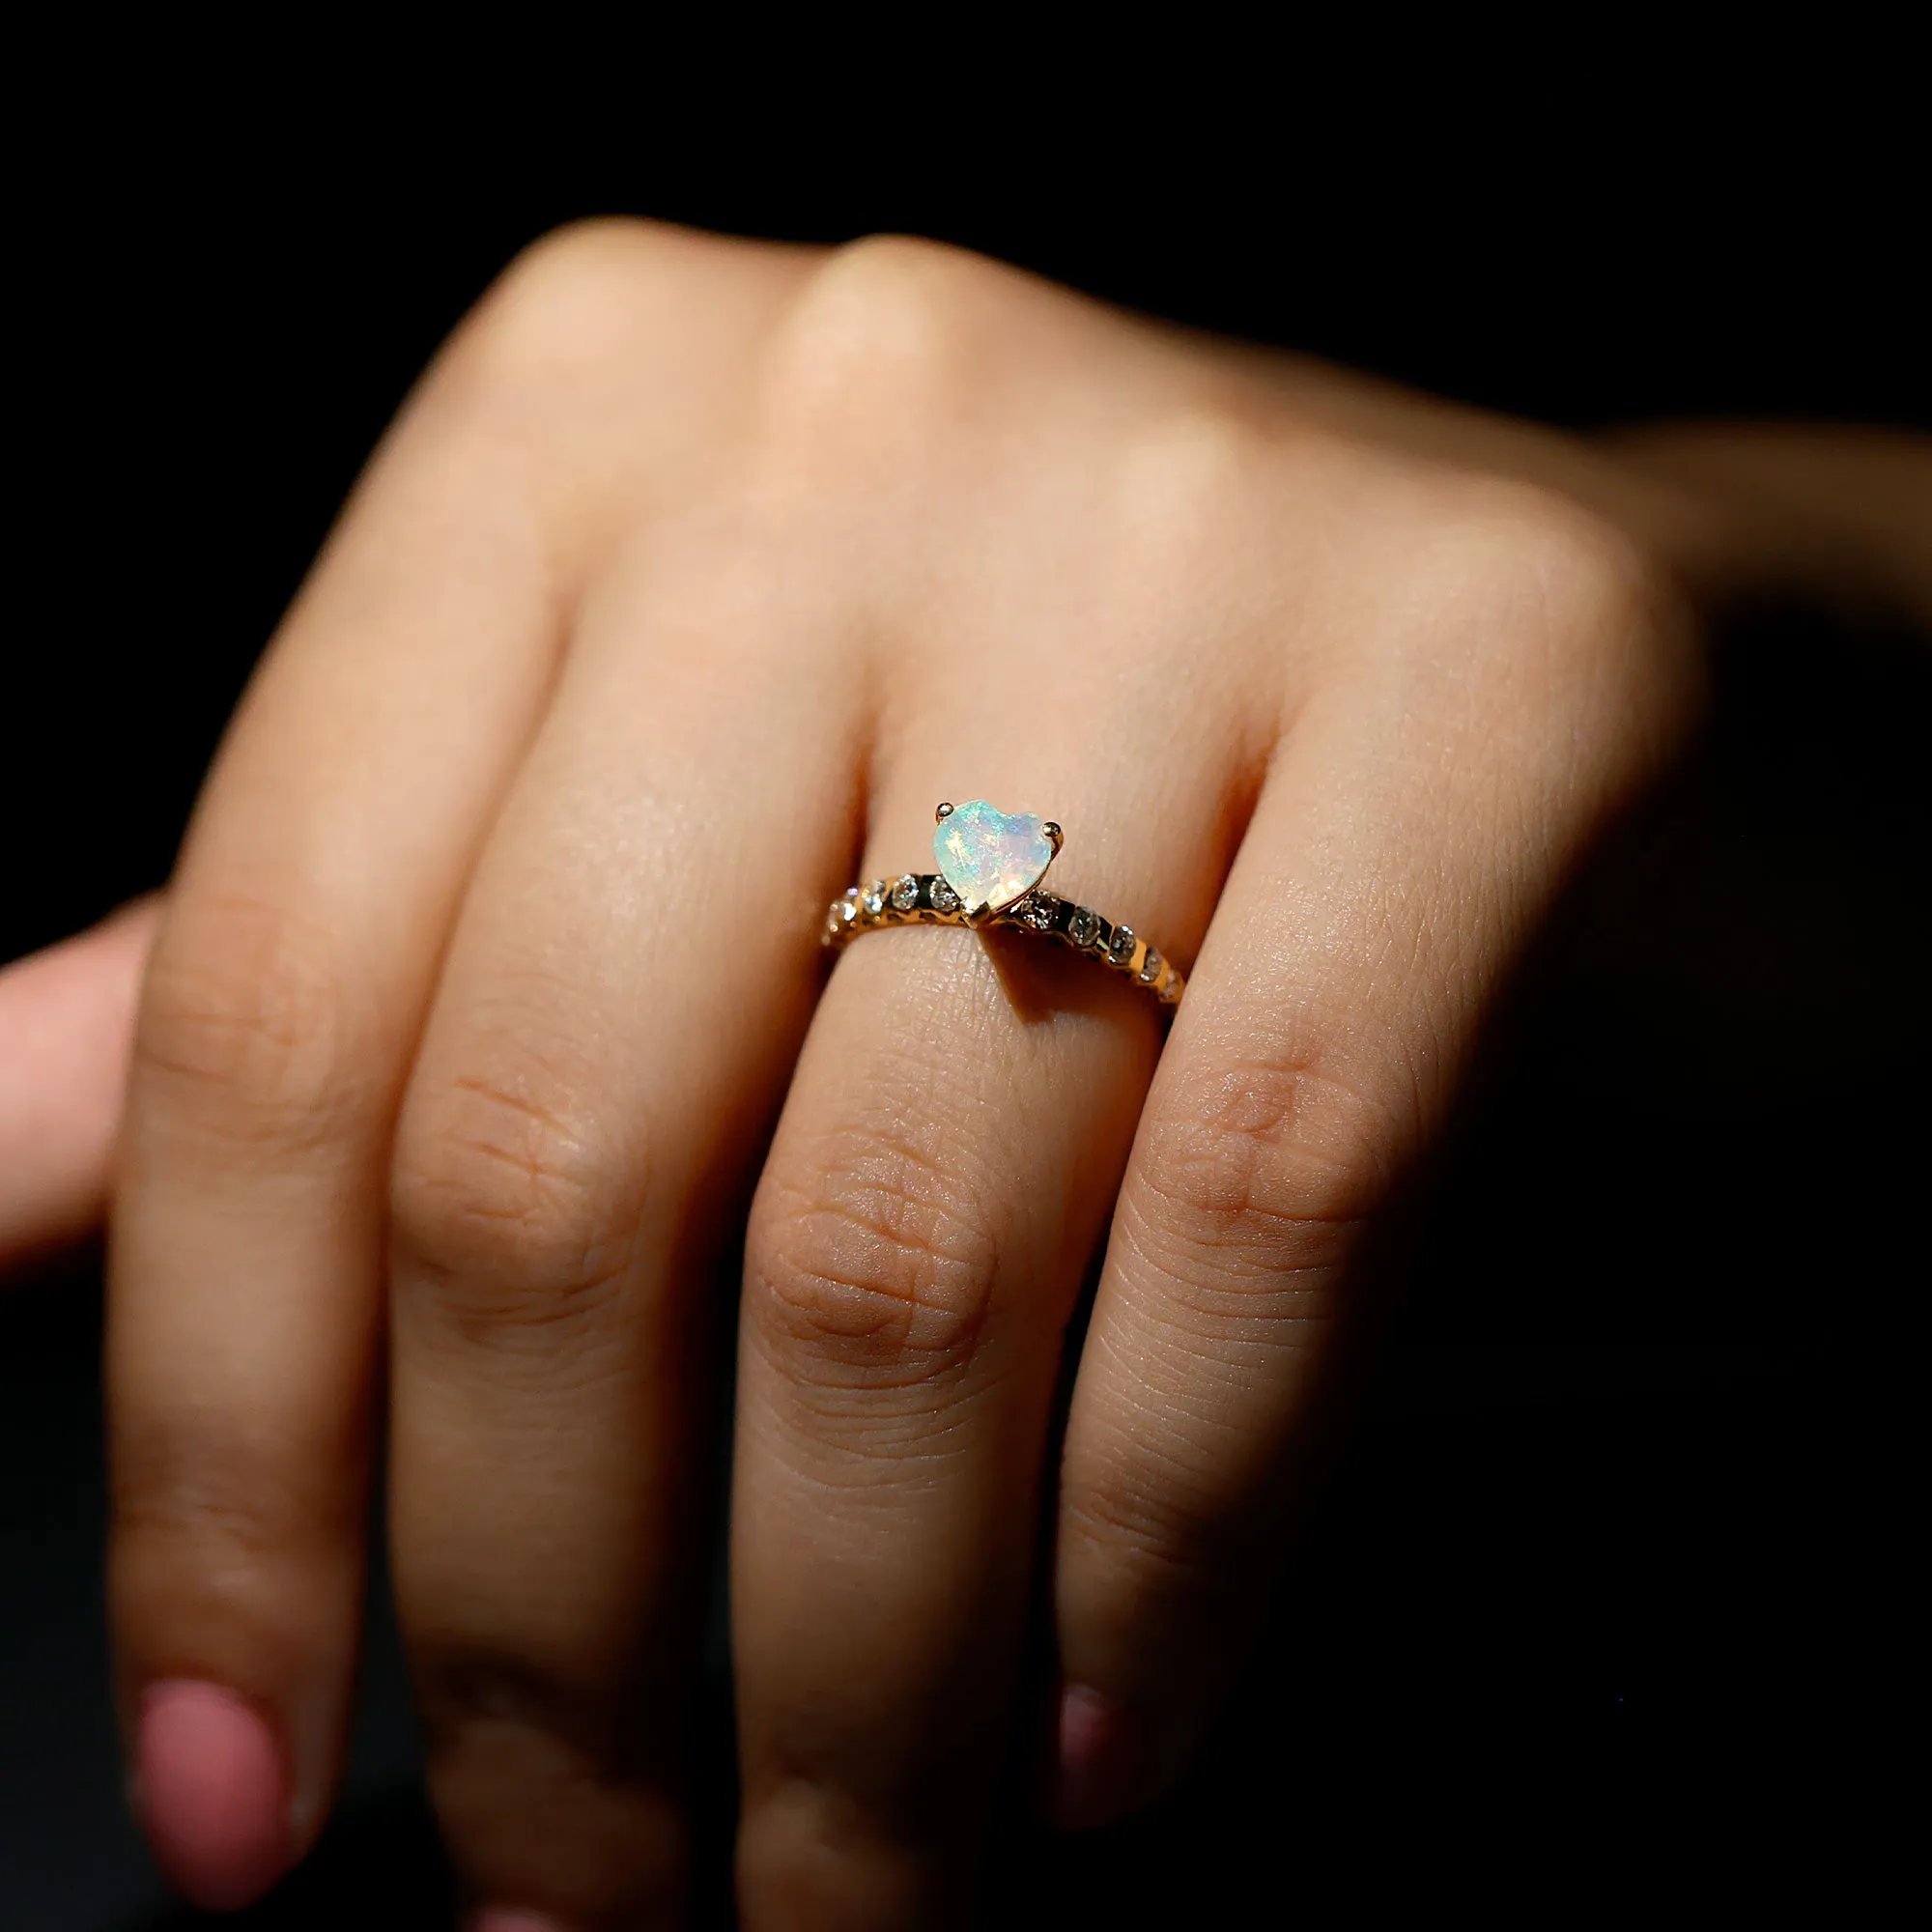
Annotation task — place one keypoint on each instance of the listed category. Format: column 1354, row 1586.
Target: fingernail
column 511, row 1919
column 212, row 1793
column 1102, row 1761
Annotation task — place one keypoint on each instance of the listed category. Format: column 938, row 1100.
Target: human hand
column 696, row 573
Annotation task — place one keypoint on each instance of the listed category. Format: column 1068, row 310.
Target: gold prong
column 940, row 816
column 1055, row 836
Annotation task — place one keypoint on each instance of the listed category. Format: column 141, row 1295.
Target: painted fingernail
column 1102, row 1761
column 212, row 1792
column 511, row 1919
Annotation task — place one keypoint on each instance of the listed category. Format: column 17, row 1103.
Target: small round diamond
column 874, row 900
column 1082, row 924
column 905, row 894
column 940, row 897
column 1121, row 951
column 1038, row 911
column 1149, row 967
column 844, row 910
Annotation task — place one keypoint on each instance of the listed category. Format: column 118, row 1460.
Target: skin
column 487, row 1013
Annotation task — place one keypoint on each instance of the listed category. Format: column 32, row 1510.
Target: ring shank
column 924, row 899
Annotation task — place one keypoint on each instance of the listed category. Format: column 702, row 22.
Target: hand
column 696, row 573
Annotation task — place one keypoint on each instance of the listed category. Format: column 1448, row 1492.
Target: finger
column 67, row 1016
column 282, row 1005
column 941, row 1175
column 621, row 1006
column 1412, row 830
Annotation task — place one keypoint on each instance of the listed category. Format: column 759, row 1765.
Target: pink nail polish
column 511, row 1919
column 213, row 1793
column 1104, row 1759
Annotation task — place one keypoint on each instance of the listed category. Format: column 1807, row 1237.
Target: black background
column 1598, row 1611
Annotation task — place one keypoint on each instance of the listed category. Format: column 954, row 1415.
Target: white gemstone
column 874, row 900
column 1151, row 966
column 988, row 857
column 1121, row 950
column 905, row 894
column 943, row 897
column 1038, row 911
column 1082, row 925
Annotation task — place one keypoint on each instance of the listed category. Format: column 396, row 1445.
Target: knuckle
column 878, row 1269
column 570, row 295
column 1183, row 487
column 224, row 1519
column 550, row 1778
column 600, row 322
column 1144, row 1515
column 1258, row 1178
column 1568, row 634
column 880, row 340
column 506, row 1193
column 465, row 1679
column 1197, row 456
column 203, row 1501
column 1528, row 558
column 247, row 1028
column 806, row 1826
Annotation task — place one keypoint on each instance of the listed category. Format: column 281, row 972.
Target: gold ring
column 990, row 866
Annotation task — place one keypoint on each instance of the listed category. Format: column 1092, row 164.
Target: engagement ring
column 990, row 866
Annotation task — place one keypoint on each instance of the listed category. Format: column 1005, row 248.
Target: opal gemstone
column 989, row 857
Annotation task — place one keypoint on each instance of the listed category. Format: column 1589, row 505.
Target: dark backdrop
column 1586, row 1612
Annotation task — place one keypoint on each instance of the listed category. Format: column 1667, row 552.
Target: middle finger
column 613, row 1024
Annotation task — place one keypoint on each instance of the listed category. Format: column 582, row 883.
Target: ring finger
column 941, row 1175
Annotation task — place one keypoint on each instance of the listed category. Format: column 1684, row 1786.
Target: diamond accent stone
column 1037, row 910
column 1082, row 924
column 1149, row 968
column 940, row 897
column 905, row 894
column 874, row 900
column 991, row 858
column 1121, row 951
column 845, row 910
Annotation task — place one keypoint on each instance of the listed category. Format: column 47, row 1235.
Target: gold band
column 924, row 899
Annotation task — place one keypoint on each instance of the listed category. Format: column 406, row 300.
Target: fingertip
column 67, row 1022
column 1102, row 1765
column 212, row 1793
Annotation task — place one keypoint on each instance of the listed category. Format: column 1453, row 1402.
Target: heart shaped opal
column 988, row 857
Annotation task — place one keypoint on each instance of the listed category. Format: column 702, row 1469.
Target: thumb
column 67, row 1017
